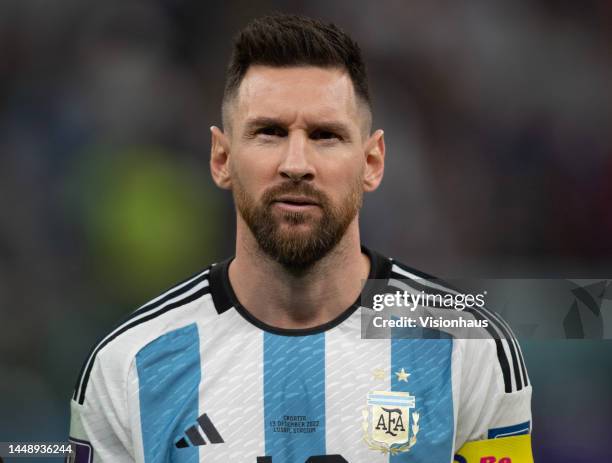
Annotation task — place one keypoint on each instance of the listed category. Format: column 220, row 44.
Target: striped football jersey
column 192, row 376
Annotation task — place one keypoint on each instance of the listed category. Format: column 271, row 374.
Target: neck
column 287, row 300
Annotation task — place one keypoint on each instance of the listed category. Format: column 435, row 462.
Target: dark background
column 497, row 117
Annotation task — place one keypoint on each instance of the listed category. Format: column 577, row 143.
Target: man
column 260, row 358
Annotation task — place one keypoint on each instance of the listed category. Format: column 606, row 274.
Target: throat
column 298, row 298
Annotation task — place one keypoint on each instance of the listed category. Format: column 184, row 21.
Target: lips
column 296, row 200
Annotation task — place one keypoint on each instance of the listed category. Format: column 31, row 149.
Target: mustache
column 290, row 188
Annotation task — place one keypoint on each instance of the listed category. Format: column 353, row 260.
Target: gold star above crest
column 378, row 373
column 402, row 375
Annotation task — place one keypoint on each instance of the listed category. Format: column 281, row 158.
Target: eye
column 324, row 135
column 271, row 131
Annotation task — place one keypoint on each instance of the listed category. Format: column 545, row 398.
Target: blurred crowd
column 497, row 119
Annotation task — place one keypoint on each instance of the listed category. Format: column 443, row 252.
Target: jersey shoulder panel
column 493, row 390
column 115, row 351
column 499, row 336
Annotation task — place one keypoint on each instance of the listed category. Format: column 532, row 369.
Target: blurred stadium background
column 497, row 118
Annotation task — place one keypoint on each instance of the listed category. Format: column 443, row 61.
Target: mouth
column 295, row 203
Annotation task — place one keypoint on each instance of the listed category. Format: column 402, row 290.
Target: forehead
column 307, row 92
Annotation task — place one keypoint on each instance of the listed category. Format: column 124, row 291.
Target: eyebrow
column 329, row 126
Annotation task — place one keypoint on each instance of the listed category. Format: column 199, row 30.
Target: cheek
column 252, row 172
column 342, row 179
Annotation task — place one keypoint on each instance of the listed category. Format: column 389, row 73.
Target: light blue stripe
column 429, row 363
column 294, row 393
column 398, row 402
column 382, row 398
column 169, row 378
column 389, row 397
column 409, row 403
column 390, row 404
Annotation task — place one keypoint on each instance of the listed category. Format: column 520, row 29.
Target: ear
column 219, row 158
column 375, row 161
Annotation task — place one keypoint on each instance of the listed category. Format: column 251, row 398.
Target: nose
column 296, row 164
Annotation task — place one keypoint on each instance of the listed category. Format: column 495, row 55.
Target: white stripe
column 232, row 387
column 512, row 339
column 526, row 375
column 134, row 413
column 174, row 288
column 196, row 288
column 400, row 283
column 518, row 432
column 483, row 311
column 456, row 371
column 423, row 281
column 354, row 367
column 500, row 320
column 506, row 347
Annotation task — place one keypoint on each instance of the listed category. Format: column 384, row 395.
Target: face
column 296, row 160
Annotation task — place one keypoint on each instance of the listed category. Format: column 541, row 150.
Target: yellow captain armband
column 515, row 449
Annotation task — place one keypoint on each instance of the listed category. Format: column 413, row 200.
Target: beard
column 295, row 239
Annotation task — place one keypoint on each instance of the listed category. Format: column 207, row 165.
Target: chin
column 293, row 233
column 297, row 223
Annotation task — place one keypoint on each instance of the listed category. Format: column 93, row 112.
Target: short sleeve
column 495, row 393
column 98, row 419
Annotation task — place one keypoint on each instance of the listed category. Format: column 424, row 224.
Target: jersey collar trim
column 224, row 297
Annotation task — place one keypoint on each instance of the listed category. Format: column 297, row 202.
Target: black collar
column 224, row 297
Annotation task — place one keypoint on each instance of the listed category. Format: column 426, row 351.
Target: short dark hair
column 283, row 40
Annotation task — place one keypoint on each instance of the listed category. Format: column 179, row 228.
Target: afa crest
column 388, row 423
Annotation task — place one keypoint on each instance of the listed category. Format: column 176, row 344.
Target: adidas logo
column 194, row 438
